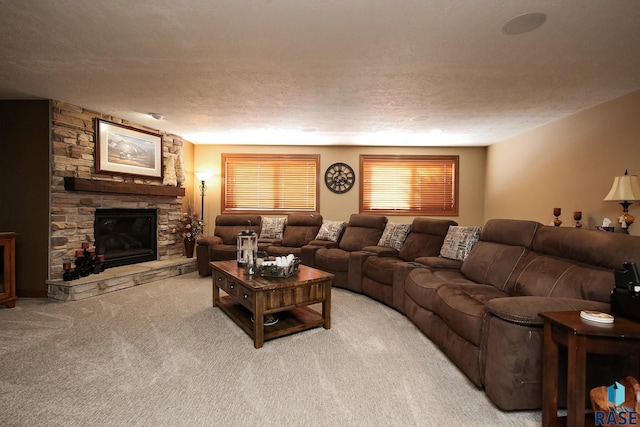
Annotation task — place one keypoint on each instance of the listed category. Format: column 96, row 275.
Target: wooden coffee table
column 250, row 298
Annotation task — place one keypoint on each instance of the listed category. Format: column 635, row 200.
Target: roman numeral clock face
column 339, row 178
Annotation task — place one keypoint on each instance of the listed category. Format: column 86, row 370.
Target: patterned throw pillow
column 330, row 230
column 394, row 235
column 459, row 241
column 272, row 228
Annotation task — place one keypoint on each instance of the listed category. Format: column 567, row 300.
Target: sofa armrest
column 324, row 243
column 270, row 242
column 209, row 240
column 439, row 262
column 382, row 251
column 525, row 310
column 308, row 254
column 354, row 276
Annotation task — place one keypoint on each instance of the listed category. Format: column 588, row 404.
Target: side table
column 566, row 328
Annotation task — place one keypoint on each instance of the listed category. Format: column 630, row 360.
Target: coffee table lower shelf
column 289, row 321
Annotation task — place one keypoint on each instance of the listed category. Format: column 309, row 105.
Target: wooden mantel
column 99, row 186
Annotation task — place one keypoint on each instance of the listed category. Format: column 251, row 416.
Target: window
column 277, row 183
column 409, row 185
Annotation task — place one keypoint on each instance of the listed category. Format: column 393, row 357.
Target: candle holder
column 556, row 213
column 69, row 273
column 577, row 216
column 86, row 263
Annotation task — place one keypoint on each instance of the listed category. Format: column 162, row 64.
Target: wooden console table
column 8, row 269
column 580, row 337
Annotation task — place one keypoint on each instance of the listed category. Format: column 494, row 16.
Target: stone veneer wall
column 72, row 213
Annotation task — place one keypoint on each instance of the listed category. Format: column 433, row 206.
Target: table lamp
column 625, row 188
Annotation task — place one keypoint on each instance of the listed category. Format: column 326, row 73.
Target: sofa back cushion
column 362, row 230
column 229, row 225
column 503, row 242
column 300, row 229
column 573, row 263
column 425, row 238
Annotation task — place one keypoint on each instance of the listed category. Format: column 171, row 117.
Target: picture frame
column 124, row 150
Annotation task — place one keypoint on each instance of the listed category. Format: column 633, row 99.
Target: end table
column 622, row 337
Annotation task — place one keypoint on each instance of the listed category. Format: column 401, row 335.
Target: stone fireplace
column 78, row 194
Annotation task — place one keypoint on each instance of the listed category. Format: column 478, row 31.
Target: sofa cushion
column 503, row 242
column 380, row 268
column 492, row 263
column 228, row 226
column 421, row 284
column 330, row 230
column 394, row 235
column 301, row 229
column 459, row 241
column 272, row 228
column 425, row 238
column 362, row 230
column 573, row 263
column 461, row 307
column 513, row 232
column 596, row 248
column 332, row 259
column 546, row 276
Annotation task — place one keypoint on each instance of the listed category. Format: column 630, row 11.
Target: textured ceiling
column 323, row 71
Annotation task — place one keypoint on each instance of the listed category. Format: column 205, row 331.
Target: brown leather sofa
column 362, row 230
column 485, row 315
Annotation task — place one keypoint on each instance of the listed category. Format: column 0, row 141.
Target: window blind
column 278, row 183
column 409, row 185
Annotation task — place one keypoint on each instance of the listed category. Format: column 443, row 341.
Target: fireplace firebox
column 126, row 236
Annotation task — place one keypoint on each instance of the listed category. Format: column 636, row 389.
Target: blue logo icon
column 617, row 414
column 615, row 394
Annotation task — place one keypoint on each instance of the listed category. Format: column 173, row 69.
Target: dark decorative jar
column 189, row 246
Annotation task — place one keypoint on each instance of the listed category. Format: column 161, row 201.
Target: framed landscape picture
column 125, row 150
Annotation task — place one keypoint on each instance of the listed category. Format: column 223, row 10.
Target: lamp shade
column 625, row 187
column 203, row 176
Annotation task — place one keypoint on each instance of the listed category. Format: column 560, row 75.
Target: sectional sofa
column 480, row 303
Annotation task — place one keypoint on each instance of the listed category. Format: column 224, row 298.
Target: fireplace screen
column 126, row 236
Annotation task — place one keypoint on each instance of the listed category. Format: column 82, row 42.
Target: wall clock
column 339, row 178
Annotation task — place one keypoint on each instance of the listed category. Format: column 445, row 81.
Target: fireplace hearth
column 126, row 236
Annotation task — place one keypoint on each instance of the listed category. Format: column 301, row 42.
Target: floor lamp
column 203, row 177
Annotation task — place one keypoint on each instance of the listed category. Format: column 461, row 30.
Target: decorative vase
column 189, row 246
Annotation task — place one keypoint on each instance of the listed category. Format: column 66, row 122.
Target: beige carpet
column 160, row 355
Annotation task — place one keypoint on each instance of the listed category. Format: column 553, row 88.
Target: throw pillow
column 394, row 235
column 330, row 230
column 272, row 228
column 459, row 241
